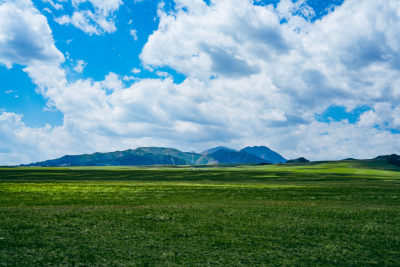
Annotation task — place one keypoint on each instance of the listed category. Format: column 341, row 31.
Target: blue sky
column 117, row 52
column 307, row 78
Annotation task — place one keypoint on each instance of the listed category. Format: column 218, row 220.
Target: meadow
column 344, row 213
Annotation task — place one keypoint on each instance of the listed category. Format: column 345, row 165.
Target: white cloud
column 104, row 6
column 79, row 20
column 22, row 144
column 286, row 8
column 26, row 39
column 57, row 6
column 163, row 74
column 368, row 119
column 112, row 82
column 250, row 80
column 129, row 78
column 329, row 61
column 133, row 33
column 25, row 36
column 228, row 38
column 100, row 20
column 47, row 10
column 80, row 65
column 11, row 92
column 135, row 70
column 340, row 140
column 346, row 58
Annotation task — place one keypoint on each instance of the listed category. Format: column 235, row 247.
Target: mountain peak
column 226, row 156
column 265, row 153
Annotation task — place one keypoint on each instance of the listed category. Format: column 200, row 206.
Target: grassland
column 330, row 213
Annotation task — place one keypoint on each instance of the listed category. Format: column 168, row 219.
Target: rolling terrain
column 328, row 213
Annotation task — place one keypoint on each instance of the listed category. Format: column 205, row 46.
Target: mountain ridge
column 171, row 156
column 265, row 153
column 215, row 149
column 155, row 156
column 225, row 156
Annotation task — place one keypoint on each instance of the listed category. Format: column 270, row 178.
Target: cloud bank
column 255, row 75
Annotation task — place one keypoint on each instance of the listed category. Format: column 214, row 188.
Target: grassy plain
column 330, row 213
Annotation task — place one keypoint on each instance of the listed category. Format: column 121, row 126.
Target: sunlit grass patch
column 323, row 214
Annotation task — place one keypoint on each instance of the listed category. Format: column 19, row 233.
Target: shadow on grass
column 243, row 176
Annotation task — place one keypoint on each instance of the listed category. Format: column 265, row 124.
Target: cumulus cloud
column 25, row 36
column 80, row 65
column 18, row 143
column 26, row 39
column 346, row 58
column 339, row 140
column 97, row 21
column 249, row 80
column 328, row 58
column 216, row 39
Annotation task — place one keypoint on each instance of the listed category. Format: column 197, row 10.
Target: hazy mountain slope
column 188, row 157
column 156, row 156
column 265, row 153
column 225, row 156
column 127, row 157
column 215, row 149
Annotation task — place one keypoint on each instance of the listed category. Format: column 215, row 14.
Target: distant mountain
column 163, row 156
column 225, row 156
column 391, row 159
column 215, row 149
column 298, row 160
column 264, row 153
column 139, row 156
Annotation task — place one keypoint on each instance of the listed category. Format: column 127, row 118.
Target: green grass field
column 331, row 213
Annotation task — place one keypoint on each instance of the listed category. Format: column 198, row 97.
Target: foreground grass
column 319, row 214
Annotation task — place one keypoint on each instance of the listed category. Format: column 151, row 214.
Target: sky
column 312, row 78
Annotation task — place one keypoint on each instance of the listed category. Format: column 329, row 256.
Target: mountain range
column 169, row 156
